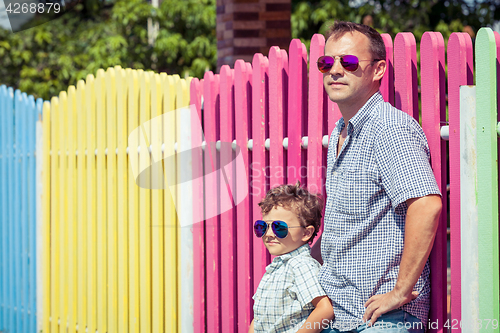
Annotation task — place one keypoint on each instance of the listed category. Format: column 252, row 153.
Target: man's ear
column 380, row 68
column 308, row 232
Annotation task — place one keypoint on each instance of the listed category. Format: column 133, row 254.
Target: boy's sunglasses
column 349, row 62
column 280, row 228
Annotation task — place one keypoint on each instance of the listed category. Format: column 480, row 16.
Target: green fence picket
column 487, row 178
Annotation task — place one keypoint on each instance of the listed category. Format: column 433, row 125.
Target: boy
column 289, row 297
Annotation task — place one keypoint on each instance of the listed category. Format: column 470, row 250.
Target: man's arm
column 422, row 218
column 316, row 250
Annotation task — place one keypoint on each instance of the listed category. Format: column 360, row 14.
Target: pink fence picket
column 459, row 73
column 387, row 83
column 405, row 74
column 315, row 118
column 198, row 227
column 244, row 235
column 228, row 236
column 297, row 90
column 277, row 114
column 433, row 113
column 260, row 131
column 211, row 129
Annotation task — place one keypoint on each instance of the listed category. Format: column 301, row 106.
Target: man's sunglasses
column 349, row 62
column 280, row 228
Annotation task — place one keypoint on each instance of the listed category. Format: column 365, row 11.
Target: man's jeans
column 395, row 321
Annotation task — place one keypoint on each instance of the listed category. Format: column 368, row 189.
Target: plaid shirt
column 283, row 298
column 383, row 162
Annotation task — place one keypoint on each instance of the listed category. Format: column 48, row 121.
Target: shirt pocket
column 355, row 189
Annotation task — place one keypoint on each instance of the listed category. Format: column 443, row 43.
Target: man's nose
column 337, row 68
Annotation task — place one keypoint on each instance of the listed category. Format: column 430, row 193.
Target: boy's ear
column 308, row 232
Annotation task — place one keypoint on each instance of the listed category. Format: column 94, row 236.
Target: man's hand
column 377, row 305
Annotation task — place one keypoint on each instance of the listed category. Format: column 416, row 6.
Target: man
column 383, row 202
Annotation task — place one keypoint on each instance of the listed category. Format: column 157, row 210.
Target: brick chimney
column 246, row 27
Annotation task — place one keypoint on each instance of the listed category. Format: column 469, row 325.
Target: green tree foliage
column 186, row 42
column 393, row 16
column 48, row 58
column 101, row 33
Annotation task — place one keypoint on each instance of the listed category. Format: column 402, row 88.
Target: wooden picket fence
column 118, row 252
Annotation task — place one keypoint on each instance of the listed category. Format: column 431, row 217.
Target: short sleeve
column 306, row 283
column 403, row 158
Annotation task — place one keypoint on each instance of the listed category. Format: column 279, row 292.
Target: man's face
column 351, row 89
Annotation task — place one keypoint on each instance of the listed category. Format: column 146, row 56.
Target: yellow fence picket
column 133, row 205
column 157, row 205
column 102, row 300
column 54, row 214
column 90, row 107
column 81, row 208
column 63, row 211
column 122, row 186
column 71, row 210
column 112, row 286
column 145, row 206
column 170, row 219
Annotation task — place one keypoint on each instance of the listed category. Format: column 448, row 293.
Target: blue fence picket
column 30, row 188
column 3, row 203
column 7, row 107
column 3, row 235
column 17, row 212
column 9, row 208
column 22, row 130
column 32, row 184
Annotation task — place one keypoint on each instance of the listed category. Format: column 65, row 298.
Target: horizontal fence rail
column 304, row 143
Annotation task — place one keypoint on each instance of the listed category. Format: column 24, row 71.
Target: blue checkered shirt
column 283, row 298
column 384, row 161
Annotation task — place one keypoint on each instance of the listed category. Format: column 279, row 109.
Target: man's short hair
column 307, row 206
column 377, row 46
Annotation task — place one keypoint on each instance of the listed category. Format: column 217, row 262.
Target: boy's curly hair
column 306, row 205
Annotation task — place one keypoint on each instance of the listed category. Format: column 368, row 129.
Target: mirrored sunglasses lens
column 325, row 63
column 349, row 62
column 280, row 229
column 260, row 228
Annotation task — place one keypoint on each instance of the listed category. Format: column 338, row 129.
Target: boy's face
column 296, row 236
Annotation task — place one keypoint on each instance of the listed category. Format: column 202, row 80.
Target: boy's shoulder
column 302, row 260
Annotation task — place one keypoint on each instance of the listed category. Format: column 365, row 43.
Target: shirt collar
column 285, row 257
column 362, row 115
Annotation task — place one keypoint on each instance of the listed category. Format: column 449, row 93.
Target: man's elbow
column 435, row 204
column 429, row 206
